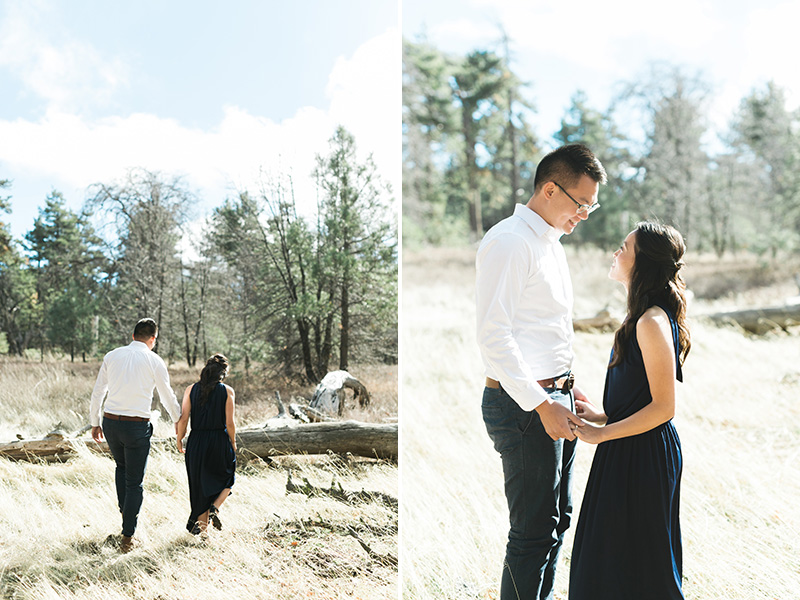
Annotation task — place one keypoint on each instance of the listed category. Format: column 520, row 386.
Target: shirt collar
column 137, row 345
column 540, row 227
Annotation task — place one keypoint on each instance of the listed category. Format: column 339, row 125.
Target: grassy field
column 738, row 418
column 56, row 519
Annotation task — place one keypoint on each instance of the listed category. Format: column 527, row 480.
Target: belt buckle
column 569, row 383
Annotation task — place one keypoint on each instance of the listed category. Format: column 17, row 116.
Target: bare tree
column 146, row 212
column 675, row 166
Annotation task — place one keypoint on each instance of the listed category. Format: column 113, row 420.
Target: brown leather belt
column 565, row 383
column 124, row 418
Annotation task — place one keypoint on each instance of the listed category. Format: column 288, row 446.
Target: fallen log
column 329, row 397
column 371, row 440
column 601, row 322
column 47, row 449
column 760, row 320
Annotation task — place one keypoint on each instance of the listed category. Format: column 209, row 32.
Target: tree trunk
column 305, row 344
column 246, row 332
column 185, row 315
column 475, row 217
column 200, row 313
column 344, row 336
column 340, row 437
column 327, row 345
column 512, row 133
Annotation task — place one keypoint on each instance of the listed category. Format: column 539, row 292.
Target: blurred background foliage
column 470, row 153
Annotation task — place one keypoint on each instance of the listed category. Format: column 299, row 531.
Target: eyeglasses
column 585, row 209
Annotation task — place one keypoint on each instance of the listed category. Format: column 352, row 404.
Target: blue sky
column 562, row 46
column 222, row 94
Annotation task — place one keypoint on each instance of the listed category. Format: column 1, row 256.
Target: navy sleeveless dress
column 628, row 539
column 210, row 459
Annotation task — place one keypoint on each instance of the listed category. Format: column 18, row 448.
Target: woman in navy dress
column 628, row 539
column 211, row 448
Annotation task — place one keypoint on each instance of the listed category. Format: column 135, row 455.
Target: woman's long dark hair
column 656, row 278
column 215, row 371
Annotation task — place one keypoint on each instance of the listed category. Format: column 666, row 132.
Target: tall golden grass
column 737, row 417
column 56, row 519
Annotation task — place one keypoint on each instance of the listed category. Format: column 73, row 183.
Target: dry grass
column 56, row 519
column 737, row 418
column 37, row 397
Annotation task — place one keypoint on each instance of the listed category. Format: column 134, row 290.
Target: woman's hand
column 591, row 434
column 588, row 412
column 180, row 446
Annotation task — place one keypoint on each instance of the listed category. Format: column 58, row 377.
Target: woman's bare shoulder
column 653, row 324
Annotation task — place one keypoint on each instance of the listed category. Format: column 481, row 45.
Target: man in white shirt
column 524, row 327
column 129, row 375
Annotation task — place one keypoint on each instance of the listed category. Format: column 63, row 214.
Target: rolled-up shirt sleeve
column 165, row 393
column 98, row 393
column 504, row 265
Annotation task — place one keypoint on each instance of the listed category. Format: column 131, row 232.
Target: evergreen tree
column 235, row 238
column 359, row 239
column 510, row 146
column 17, row 288
column 65, row 260
column 430, row 130
column 766, row 132
column 477, row 82
column 586, row 125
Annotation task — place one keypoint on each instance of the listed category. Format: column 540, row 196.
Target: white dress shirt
column 129, row 375
column 524, row 305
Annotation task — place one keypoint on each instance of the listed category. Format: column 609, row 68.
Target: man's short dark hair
column 566, row 164
column 145, row 329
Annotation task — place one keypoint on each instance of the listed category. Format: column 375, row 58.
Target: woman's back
column 209, row 415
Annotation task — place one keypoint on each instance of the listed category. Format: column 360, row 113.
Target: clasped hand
column 591, row 430
column 560, row 422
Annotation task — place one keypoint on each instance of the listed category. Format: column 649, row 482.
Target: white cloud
column 73, row 151
column 66, row 74
column 365, row 94
column 463, row 34
column 599, row 35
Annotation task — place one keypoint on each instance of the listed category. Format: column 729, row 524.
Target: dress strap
column 675, row 341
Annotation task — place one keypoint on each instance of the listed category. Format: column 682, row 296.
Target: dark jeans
column 538, row 486
column 129, row 443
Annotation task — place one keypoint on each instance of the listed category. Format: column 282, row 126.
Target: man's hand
column 97, row 434
column 558, row 421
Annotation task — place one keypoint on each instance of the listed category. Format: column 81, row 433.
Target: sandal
column 213, row 516
column 193, row 527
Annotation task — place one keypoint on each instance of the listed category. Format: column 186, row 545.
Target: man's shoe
column 126, row 544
